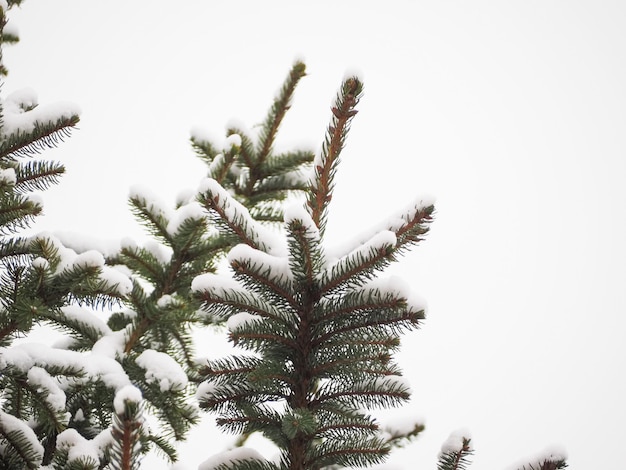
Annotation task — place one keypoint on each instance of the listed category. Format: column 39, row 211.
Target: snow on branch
column 22, row 111
column 267, row 275
column 127, row 429
column 48, row 388
column 85, row 320
column 80, row 366
column 129, row 393
column 551, row 458
column 306, row 255
column 408, row 224
column 70, row 269
column 401, row 430
column 235, row 219
column 358, row 266
column 213, row 284
column 27, row 128
column 223, row 298
column 18, row 442
column 192, row 211
column 379, row 392
column 240, row 458
column 80, row 451
column 455, row 451
column 277, row 267
column 25, row 356
column 162, row 369
column 8, row 177
column 150, row 211
column 396, row 287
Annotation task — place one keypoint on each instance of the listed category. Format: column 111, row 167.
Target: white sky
column 511, row 113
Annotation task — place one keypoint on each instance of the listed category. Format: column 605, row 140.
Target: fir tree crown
column 314, row 331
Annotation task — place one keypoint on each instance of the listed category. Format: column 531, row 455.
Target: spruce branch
column 414, row 225
column 127, row 430
column 247, row 157
column 307, row 258
column 269, row 213
column 141, row 261
column 221, row 166
column 6, row 37
column 341, row 419
column 235, row 462
column 546, row 465
column 378, row 392
column 43, row 136
column 231, row 216
column 287, row 162
column 20, row 448
column 251, row 422
column 17, row 212
column 204, row 148
column 455, row 452
column 364, row 452
column 549, row 459
column 400, row 438
column 325, row 167
column 80, row 323
column 192, row 253
column 46, row 399
column 163, row 446
column 281, row 105
column 265, row 279
column 37, row 175
column 389, row 322
column 228, row 303
column 71, row 441
column 274, row 189
column 152, row 216
column 7, row 332
column 249, row 170
column 359, row 266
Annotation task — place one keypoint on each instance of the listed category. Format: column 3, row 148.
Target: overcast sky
column 511, row 113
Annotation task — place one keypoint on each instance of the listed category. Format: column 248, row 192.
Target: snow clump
column 162, row 369
column 230, row 457
column 550, row 454
column 240, row 319
column 454, row 442
column 128, row 393
column 10, row 423
column 233, row 140
column 77, row 446
column 21, row 113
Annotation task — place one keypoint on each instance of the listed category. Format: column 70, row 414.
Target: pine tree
column 318, row 328
column 35, row 282
column 69, row 390
column 321, row 333
column 160, row 309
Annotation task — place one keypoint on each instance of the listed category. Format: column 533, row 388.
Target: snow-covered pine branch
column 456, row 451
column 247, row 165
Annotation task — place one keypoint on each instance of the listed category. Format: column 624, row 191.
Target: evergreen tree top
column 314, row 331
